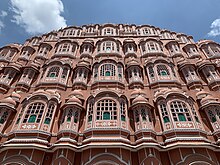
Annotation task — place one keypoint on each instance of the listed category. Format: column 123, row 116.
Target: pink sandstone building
column 110, row 95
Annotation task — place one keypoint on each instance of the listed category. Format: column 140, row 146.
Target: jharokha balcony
column 210, row 73
column 189, row 72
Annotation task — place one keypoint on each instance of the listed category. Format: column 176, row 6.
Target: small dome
column 74, row 100
column 137, row 92
column 9, row 101
column 208, row 98
column 139, row 100
column 133, row 62
column 16, row 96
column 201, row 94
column 76, row 93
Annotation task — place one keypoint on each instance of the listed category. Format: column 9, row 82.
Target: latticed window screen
column 151, row 71
column 49, row 114
column 152, row 46
column 108, row 46
column 90, row 112
column 145, row 115
column 217, row 111
column 34, row 113
column 180, row 111
column 164, row 113
column 53, row 71
column 120, row 71
column 162, row 70
column 212, row 116
column 64, row 73
column 106, row 110
column 146, row 31
column 136, row 113
column 95, row 71
column 72, row 114
column 65, row 47
column 8, row 73
column 195, row 114
column 107, row 70
column 122, row 110
column 141, row 113
column 3, row 115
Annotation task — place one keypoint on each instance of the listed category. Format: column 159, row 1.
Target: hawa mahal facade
column 110, row 95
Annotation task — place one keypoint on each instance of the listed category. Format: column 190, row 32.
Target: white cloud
column 1, row 25
column 38, row 16
column 2, row 15
column 215, row 26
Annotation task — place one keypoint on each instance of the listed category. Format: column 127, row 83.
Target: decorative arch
column 62, row 159
column 196, row 159
column 110, row 158
column 17, row 160
column 151, row 160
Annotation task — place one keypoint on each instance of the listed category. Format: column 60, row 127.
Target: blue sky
column 21, row 19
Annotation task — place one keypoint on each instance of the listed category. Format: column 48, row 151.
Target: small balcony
column 108, row 53
column 214, row 82
column 136, row 82
column 193, row 82
column 130, row 53
column 5, row 84
column 5, row 58
column 64, row 54
column 80, row 83
column 163, row 81
column 108, row 81
column 23, row 84
column 52, row 82
column 148, row 53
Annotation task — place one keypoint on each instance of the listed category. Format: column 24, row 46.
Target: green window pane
column 107, row 73
column 166, row 119
column 68, row 119
column 47, row 121
column 106, row 116
column 32, row 119
column 1, row 121
column 18, row 121
column 90, row 118
column 52, row 75
column 181, row 117
column 163, row 73
column 122, row 117
column 213, row 119
column 119, row 75
column 75, row 120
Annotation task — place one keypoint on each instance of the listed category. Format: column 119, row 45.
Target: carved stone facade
column 110, row 95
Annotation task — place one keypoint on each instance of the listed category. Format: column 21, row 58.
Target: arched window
column 164, row 113
column 3, row 116
column 34, row 113
column 120, row 71
column 64, row 73
column 49, row 114
column 107, row 70
column 122, row 110
column 53, row 72
column 71, row 115
column 162, row 70
column 180, row 111
column 90, row 111
column 106, row 110
column 151, row 71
